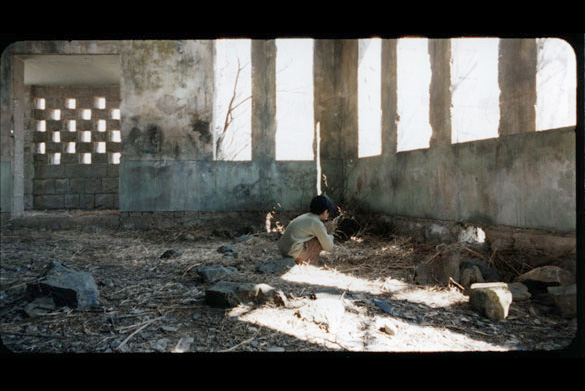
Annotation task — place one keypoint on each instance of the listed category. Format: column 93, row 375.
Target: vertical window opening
column 114, row 158
column 115, row 136
column 40, row 103
column 70, row 103
column 232, row 112
column 70, row 147
column 369, row 97
column 100, row 147
column 414, row 79
column 71, row 125
column 556, row 84
column 85, row 136
column 85, row 158
column 86, row 114
column 475, row 93
column 100, row 103
column 295, row 126
column 40, row 148
column 55, row 158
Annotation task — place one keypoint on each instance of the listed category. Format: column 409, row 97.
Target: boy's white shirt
column 301, row 229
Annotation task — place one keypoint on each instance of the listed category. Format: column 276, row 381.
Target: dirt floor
column 153, row 305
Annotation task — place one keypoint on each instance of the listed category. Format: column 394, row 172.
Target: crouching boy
column 306, row 236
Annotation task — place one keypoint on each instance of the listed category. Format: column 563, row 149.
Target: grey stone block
column 228, row 294
column 67, row 287
column 215, row 273
column 104, row 201
column 44, row 186
column 51, row 201
column 491, row 299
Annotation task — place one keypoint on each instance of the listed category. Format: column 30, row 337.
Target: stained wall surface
column 521, row 178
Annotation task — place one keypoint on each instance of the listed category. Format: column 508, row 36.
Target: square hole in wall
column 70, row 103
column 85, row 158
column 40, row 103
column 70, row 147
column 56, row 137
column 115, row 114
column 40, row 148
column 86, row 114
column 101, row 125
column 41, row 126
column 72, row 125
column 114, row 158
column 56, row 115
column 99, row 103
column 55, row 158
column 115, row 136
column 85, row 136
column 100, row 147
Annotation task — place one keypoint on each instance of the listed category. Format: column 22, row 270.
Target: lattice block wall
column 77, row 147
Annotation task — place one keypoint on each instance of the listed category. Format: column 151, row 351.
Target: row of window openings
column 70, row 147
column 70, row 103
column 85, row 114
column 85, row 136
column 84, row 158
column 72, row 126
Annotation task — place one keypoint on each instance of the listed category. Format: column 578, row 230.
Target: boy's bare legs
column 310, row 254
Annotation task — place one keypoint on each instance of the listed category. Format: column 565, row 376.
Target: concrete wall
column 523, row 178
column 73, row 184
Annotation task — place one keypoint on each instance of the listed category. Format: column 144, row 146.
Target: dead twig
column 145, row 325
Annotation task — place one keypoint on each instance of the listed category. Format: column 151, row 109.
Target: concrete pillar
column 335, row 75
column 389, row 97
column 18, row 104
column 517, row 80
column 264, row 100
column 440, row 92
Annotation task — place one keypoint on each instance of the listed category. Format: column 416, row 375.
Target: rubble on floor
column 372, row 293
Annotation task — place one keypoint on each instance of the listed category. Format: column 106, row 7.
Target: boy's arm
column 324, row 238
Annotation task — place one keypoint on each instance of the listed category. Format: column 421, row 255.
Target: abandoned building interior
column 138, row 161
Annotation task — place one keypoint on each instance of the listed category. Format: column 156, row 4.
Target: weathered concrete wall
column 522, row 178
column 167, row 102
column 72, row 184
column 15, row 140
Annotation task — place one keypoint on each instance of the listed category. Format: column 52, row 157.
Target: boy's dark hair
column 321, row 203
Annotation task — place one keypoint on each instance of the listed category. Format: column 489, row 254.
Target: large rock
column 565, row 299
column 226, row 294
column 547, row 276
column 213, row 273
column 277, row 266
column 67, row 287
column 519, row 291
column 491, row 299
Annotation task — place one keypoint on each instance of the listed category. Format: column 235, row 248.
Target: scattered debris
column 66, row 287
column 326, row 312
column 365, row 296
column 213, row 273
column 172, row 253
column 277, row 266
column 228, row 251
column 565, row 299
column 228, row 294
column 491, row 299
